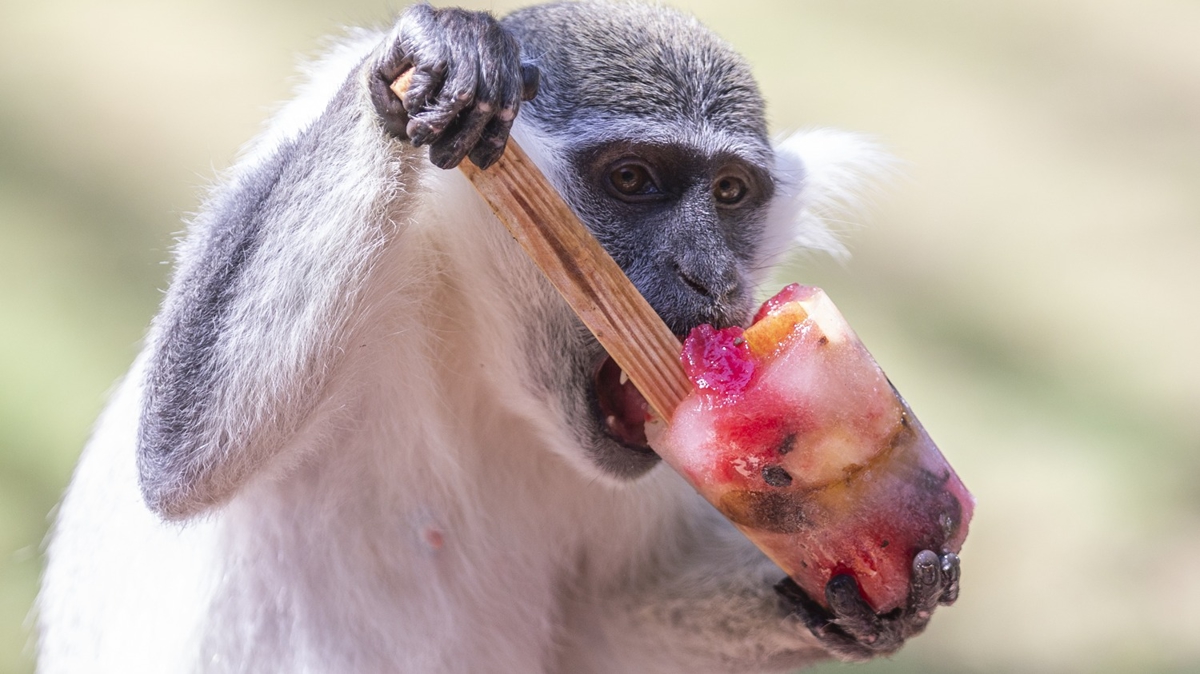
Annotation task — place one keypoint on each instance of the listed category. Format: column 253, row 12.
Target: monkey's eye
column 729, row 190
column 632, row 180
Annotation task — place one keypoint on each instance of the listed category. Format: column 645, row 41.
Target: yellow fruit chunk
column 771, row 332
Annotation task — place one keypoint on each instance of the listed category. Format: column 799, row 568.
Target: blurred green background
column 1032, row 283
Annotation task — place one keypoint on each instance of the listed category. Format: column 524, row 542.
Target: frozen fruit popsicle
column 794, row 433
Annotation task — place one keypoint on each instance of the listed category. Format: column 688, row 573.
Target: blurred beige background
column 1032, row 285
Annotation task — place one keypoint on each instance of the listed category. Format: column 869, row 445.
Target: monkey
column 365, row 435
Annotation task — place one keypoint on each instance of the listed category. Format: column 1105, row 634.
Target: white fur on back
column 126, row 592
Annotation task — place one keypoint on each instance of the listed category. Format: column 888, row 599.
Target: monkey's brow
column 700, row 142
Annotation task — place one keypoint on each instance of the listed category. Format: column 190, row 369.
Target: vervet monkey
column 365, row 435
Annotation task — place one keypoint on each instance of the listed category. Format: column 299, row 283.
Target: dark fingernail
column 950, row 565
column 426, row 132
column 925, row 566
column 840, row 589
column 531, row 80
column 416, row 132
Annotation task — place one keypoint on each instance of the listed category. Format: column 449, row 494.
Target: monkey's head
column 653, row 130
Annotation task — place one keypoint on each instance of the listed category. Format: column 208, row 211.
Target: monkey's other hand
column 850, row 630
column 467, row 84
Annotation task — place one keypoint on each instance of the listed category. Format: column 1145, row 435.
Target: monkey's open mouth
column 623, row 410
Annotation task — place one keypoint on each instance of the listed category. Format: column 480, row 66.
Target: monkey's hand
column 851, row 631
column 467, row 84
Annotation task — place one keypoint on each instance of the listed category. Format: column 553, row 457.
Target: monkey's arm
column 715, row 603
column 264, row 295
column 706, row 604
column 246, row 354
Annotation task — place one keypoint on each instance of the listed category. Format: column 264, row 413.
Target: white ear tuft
column 822, row 180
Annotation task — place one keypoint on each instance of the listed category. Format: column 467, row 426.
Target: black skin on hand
column 466, row 87
column 851, row 630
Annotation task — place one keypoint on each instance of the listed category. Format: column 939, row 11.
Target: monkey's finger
column 424, row 85
column 491, row 144
column 499, row 93
column 432, row 125
column 423, row 79
column 850, row 611
column 415, row 47
column 449, row 150
column 951, row 572
column 819, row 622
column 500, row 77
column 457, row 92
column 386, row 101
column 928, row 582
column 814, row 616
column 389, row 108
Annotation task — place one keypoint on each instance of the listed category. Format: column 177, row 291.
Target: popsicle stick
column 582, row 271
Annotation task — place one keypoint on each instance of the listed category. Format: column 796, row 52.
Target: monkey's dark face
column 685, row 224
column 658, row 136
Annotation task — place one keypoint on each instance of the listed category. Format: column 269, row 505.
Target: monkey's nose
column 713, row 282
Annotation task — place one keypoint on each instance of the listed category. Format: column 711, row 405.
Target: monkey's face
column 685, row 221
column 655, row 133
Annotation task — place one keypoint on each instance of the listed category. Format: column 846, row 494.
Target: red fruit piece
column 717, row 361
column 793, row 292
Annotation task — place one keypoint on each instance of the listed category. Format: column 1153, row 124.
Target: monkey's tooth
column 624, row 378
column 611, row 420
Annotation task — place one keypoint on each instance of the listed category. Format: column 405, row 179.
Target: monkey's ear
column 824, row 179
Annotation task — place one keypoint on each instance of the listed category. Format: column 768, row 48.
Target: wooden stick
column 583, row 272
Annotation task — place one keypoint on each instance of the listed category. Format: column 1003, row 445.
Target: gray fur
column 604, row 64
column 183, row 437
